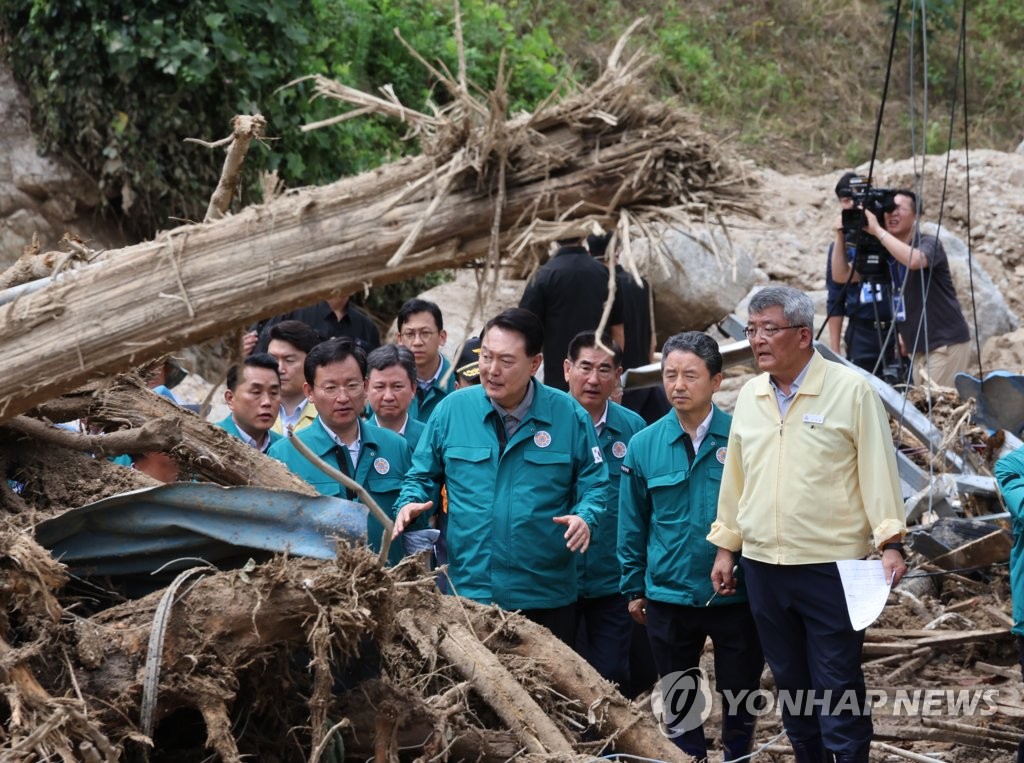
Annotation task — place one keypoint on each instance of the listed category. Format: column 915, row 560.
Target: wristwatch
column 894, row 547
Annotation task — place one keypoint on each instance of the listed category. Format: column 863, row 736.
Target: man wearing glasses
column 525, row 476
column 605, row 629
column 810, row 479
column 376, row 458
column 421, row 329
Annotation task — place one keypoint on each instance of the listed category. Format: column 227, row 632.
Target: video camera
column 871, row 259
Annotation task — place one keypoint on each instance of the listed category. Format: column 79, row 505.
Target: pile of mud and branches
column 294, row 659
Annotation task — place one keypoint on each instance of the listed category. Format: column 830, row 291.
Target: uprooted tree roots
column 294, row 659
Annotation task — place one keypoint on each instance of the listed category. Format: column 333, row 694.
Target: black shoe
column 810, row 751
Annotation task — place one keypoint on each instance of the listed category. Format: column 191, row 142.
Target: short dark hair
column 843, row 190
column 332, row 351
column 256, row 360
column 697, row 343
column 521, row 321
column 597, row 243
column 918, row 210
column 388, row 355
column 587, row 339
column 416, row 305
column 296, row 333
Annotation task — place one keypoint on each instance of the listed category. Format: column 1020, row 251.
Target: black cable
column 962, row 52
column 874, row 146
column 885, row 90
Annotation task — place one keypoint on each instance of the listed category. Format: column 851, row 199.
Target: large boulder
column 40, row 195
column 457, row 298
column 1003, row 353
column 994, row 316
column 698, row 277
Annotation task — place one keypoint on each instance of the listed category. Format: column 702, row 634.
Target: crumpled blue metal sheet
column 1000, row 399
column 140, row 531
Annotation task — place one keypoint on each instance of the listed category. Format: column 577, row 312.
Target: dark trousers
column 603, row 634
column 561, row 621
column 642, row 670
column 864, row 344
column 809, row 643
column 677, row 635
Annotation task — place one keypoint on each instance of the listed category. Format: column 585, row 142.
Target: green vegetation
column 117, row 85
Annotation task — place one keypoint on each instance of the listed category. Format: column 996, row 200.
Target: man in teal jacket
column 254, row 396
column 421, row 329
column 377, row 459
column 667, row 502
column 525, row 476
column 605, row 627
column 1009, row 473
column 390, row 388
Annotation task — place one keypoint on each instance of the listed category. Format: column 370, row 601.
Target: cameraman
column 867, row 303
column 932, row 309
column 835, row 304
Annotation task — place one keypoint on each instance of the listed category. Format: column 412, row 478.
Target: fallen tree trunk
column 206, row 449
column 608, row 149
column 460, row 647
column 630, row 730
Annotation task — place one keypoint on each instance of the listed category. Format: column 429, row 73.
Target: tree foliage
column 117, row 85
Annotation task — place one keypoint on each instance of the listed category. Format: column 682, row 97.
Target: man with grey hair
column 667, row 502
column 810, row 479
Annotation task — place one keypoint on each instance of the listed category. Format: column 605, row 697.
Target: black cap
column 468, row 363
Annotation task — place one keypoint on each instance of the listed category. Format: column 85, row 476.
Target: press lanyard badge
column 898, row 308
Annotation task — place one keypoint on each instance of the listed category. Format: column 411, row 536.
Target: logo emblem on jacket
column 619, row 449
column 720, row 455
column 381, row 465
column 542, row 439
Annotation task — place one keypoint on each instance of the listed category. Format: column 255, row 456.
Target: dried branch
column 155, row 435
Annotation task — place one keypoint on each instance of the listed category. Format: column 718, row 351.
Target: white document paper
column 865, row 588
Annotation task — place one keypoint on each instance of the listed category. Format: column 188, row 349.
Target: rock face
column 1004, row 352
column 697, row 278
column 38, row 194
column 456, row 299
column 994, row 316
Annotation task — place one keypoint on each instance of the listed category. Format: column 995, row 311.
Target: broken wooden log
column 154, row 435
column 630, row 730
column 460, row 647
column 226, row 622
column 245, row 127
column 206, row 449
column 977, row 738
column 611, row 147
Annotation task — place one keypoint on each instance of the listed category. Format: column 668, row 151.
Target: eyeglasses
column 604, row 371
column 351, row 389
column 411, row 335
column 766, row 331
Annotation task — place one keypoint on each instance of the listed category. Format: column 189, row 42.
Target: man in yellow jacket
column 810, row 479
